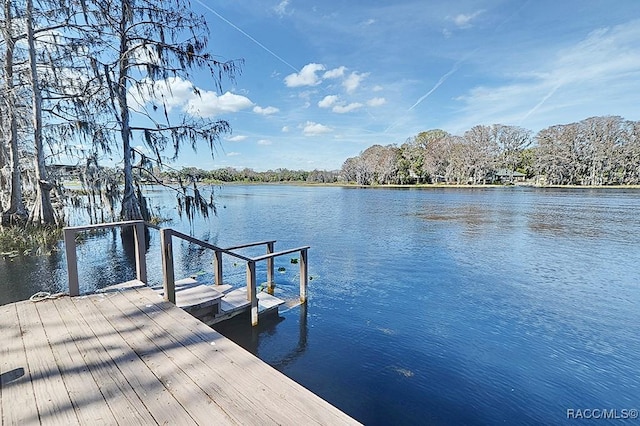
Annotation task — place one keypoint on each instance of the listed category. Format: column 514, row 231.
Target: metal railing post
column 169, row 281
column 72, row 261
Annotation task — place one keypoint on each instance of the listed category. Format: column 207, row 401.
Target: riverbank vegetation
column 29, row 239
column 246, row 175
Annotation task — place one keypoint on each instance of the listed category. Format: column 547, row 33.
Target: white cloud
column 265, row 111
column 312, row 129
column 306, row 77
column 237, row 138
column 327, row 101
column 374, row 102
column 307, row 94
column 209, row 104
column 377, row 88
column 281, row 8
column 352, row 82
column 233, row 154
column 368, row 22
column 285, row 129
column 335, row 73
column 175, row 92
column 264, row 142
column 464, row 20
column 341, row 109
column 172, row 92
column 338, row 106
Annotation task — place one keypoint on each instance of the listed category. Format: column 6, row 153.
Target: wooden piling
column 169, row 281
column 72, row 261
column 252, row 296
column 304, row 277
column 217, row 267
column 141, row 260
column 270, row 269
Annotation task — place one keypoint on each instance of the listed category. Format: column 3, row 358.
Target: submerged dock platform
column 212, row 304
column 125, row 357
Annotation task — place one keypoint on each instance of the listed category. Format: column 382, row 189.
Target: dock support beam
column 304, row 275
column 72, row 261
column 252, row 296
column 169, row 280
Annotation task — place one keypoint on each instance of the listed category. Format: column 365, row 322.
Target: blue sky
column 322, row 81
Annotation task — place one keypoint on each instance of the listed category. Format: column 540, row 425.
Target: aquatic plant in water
column 29, row 240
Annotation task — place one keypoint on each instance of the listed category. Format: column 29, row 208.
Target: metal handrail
column 279, row 253
column 166, row 235
column 210, row 246
column 166, row 243
column 259, row 243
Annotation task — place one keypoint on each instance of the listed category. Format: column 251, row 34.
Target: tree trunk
column 16, row 211
column 3, row 181
column 43, row 210
column 130, row 203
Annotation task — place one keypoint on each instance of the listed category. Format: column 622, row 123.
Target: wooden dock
column 127, row 357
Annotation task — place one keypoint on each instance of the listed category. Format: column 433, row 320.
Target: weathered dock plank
column 16, row 392
column 124, row 357
column 83, row 391
column 164, row 361
column 93, row 344
column 52, row 399
column 151, row 395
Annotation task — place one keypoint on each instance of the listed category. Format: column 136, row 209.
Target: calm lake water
column 426, row 306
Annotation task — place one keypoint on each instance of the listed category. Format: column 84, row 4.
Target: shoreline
column 427, row 185
column 75, row 186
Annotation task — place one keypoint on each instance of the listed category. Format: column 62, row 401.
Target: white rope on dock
column 43, row 295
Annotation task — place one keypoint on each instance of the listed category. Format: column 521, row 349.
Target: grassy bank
column 27, row 240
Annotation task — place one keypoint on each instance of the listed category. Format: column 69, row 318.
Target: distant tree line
column 595, row 151
column 229, row 174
